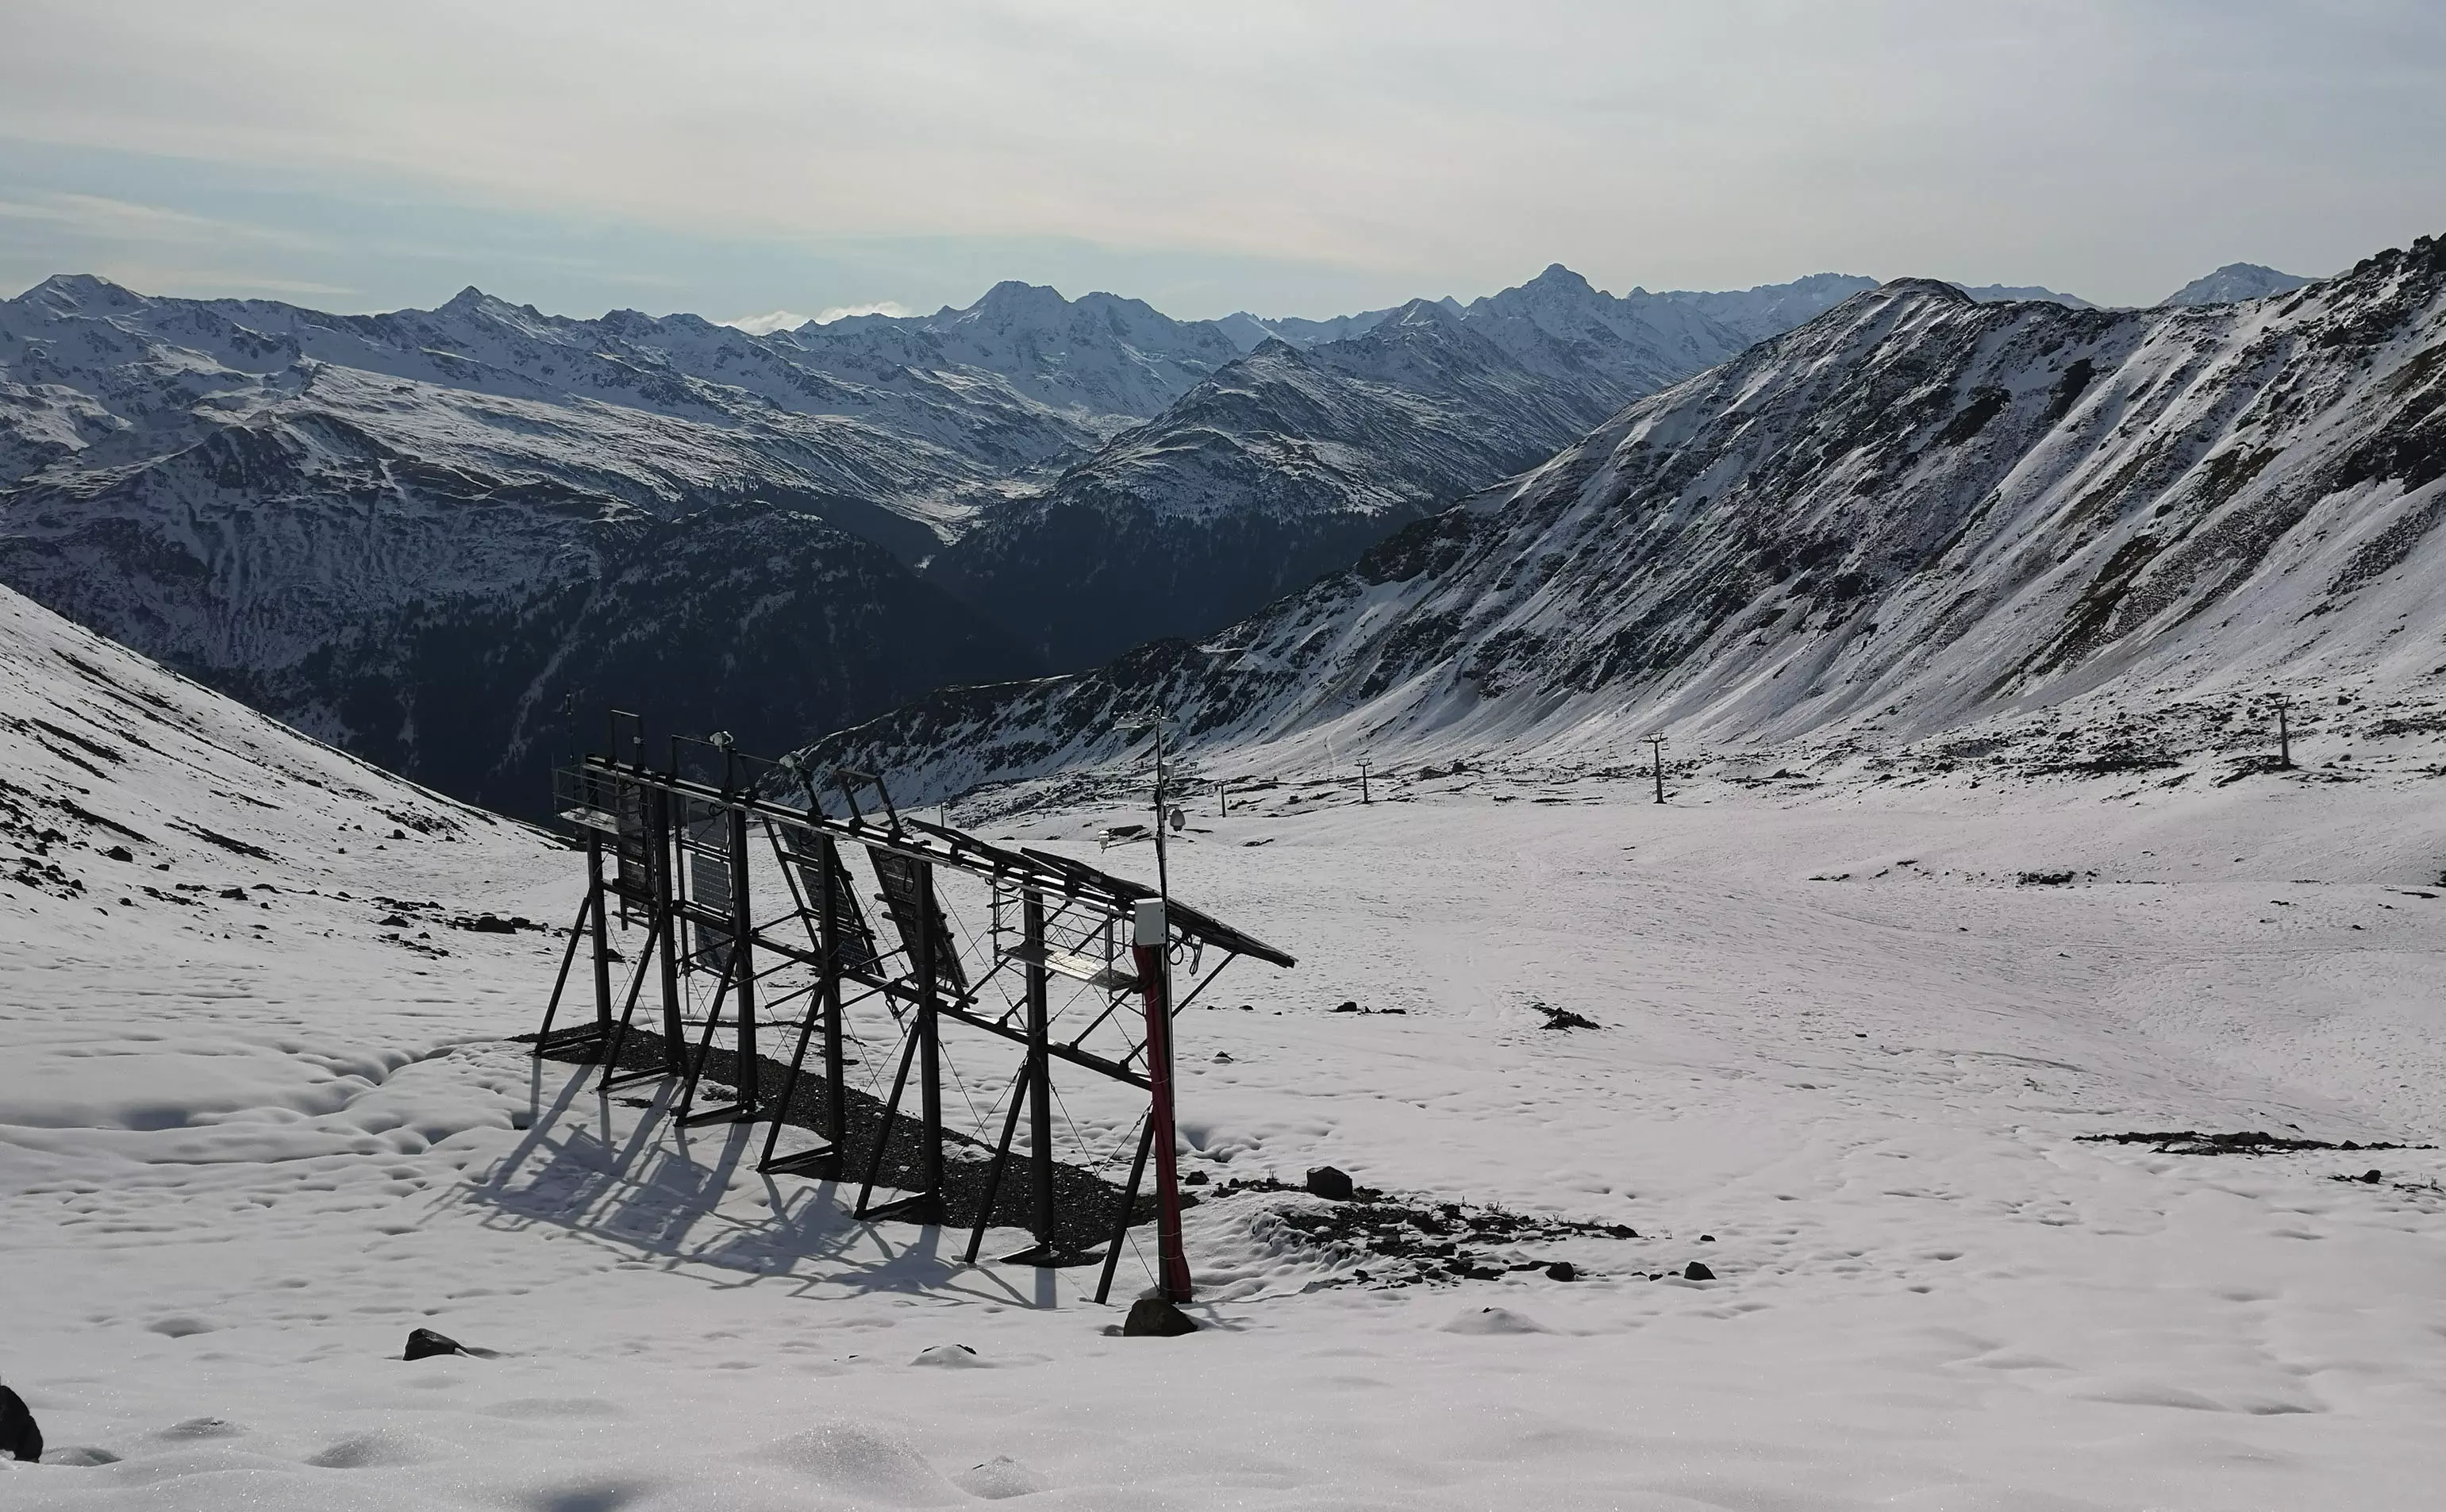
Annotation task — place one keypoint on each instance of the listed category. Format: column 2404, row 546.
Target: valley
column 1845, row 1055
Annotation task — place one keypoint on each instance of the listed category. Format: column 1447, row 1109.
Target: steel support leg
column 1129, row 1200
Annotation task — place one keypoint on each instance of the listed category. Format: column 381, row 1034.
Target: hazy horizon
column 1284, row 159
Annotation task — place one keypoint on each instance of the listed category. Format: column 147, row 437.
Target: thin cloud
column 880, row 306
column 98, row 218
column 764, row 325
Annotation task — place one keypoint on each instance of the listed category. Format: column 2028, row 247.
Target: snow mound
column 951, row 1357
column 1000, row 1479
column 1494, row 1321
column 864, row 1462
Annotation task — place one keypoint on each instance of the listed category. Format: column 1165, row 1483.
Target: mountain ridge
column 1912, row 515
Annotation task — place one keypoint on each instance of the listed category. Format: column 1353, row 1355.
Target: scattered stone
column 1405, row 1241
column 1152, row 1317
column 2373, row 1178
column 119, row 853
column 1698, row 1271
column 1329, row 1183
column 1348, row 1006
column 1194, row 1179
column 238, row 893
column 2191, row 1142
column 1707, row 1238
column 1562, row 1017
column 488, row 923
column 423, row 1343
column 1562, row 1270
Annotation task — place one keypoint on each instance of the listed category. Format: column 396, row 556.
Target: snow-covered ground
column 246, row 1143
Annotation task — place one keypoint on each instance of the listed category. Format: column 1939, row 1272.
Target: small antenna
column 1154, row 720
column 1656, row 748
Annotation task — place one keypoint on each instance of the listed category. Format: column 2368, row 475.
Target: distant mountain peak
column 1014, row 297
column 1423, row 312
column 1560, row 279
column 2012, row 294
column 2235, row 282
column 78, row 291
column 1935, row 288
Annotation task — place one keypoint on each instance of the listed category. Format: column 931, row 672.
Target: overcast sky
column 732, row 157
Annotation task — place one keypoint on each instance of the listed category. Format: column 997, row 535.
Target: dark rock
column 1697, row 1271
column 1346, row 1007
column 1193, row 1179
column 2373, row 1178
column 238, row 893
column 119, row 853
column 1331, row 1184
column 18, row 1433
column 423, row 1343
column 1563, row 1271
column 1707, row 1238
column 1152, row 1317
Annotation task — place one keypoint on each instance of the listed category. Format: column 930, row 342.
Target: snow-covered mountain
column 1770, row 310
column 1745, row 315
column 1287, row 464
column 1914, row 514
column 417, row 533
column 1101, row 360
column 2235, row 282
column 1292, row 461
column 2009, row 294
column 1251, row 331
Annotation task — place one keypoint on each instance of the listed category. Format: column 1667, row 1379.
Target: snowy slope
column 246, row 1143
column 1914, row 514
column 2236, row 282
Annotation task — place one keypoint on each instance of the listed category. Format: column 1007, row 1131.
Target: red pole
column 1147, row 945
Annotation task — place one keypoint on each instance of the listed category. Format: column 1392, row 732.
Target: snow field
column 238, row 1164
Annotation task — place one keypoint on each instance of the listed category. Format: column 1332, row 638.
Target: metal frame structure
column 670, row 849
